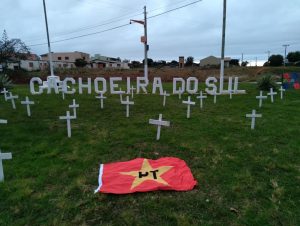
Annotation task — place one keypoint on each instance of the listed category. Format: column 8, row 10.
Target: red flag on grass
column 142, row 175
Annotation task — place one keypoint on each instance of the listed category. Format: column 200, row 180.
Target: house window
column 30, row 64
column 66, row 58
column 59, row 58
column 59, row 65
column 83, row 58
column 118, row 65
column 110, row 65
column 65, row 65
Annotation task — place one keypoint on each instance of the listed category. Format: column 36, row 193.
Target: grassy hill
column 167, row 74
column 244, row 177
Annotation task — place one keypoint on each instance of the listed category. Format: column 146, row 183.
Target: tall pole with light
column 285, row 47
column 223, row 48
column 144, row 39
column 48, row 39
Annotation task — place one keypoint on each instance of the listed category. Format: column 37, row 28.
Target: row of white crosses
column 69, row 117
column 8, row 96
column 261, row 97
column 3, row 156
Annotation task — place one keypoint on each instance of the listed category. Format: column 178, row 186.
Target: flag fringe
column 99, row 179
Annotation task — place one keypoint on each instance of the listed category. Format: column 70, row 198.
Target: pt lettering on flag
column 142, row 175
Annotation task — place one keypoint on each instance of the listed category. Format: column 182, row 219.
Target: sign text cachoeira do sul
column 100, row 85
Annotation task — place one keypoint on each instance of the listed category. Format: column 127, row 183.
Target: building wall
column 30, row 65
column 67, row 56
column 103, row 64
column 209, row 61
column 213, row 61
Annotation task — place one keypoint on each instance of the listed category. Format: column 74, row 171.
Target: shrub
column 5, row 81
column 266, row 82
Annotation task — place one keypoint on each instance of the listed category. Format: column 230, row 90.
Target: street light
column 144, row 39
column 223, row 48
column 52, row 79
column 285, row 47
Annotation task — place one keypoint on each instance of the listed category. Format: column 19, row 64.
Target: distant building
column 214, row 61
column 181, row 62
column 67, row 56
column 63, row 59
column 99, row 61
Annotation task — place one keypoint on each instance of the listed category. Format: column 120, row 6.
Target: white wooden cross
column 179, row 94
column 28, row 103
column 165, row 94
column 201, row 97
column 12, row 98
column 131, row 91
column 253, row 116
column 189, row 103
column 3, row 121
column 63, row 93
column 68, row 117
column 215, row 96
column 281, row 92
column 101, row 97
column 159, row 123
column 5, row 92
column 121, row 95
column 74, row 106
column 230, row 93
column 3, row 156
column 127, row 103
column 271, row 94
column 261, row 98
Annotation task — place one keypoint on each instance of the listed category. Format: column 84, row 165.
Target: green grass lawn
column 245, row 177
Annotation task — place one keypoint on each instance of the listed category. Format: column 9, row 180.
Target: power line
column 80, row 36
column 105, row 22
column 171, row 10
column 116, row 27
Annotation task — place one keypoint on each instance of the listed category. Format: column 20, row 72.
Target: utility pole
column 223, row 48
column 145, row 46
column 285, row 47
column 144, row 39
column 49, row 47
column 242, row 59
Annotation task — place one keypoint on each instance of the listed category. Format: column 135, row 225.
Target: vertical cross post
column 74, row 106
column 253, row 116
column 201, row 97
column 27, row 102
column 3, row 156
column 159, row 123
column 261, row 98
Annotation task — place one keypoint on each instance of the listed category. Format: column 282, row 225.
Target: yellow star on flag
column 148, row 173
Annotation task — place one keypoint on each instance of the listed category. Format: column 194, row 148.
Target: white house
column 99, row 61
column 214, row 61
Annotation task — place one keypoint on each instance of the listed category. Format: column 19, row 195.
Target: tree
column 135, row 64
column 234, row 62
column 12, row 49
column 293, row 56
column 174, row 63
column 276, row 60
column 244, row 63
column 80, row 62
column 189, row 61
column 149, row 61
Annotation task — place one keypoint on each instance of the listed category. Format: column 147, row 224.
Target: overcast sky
column 253, row 27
